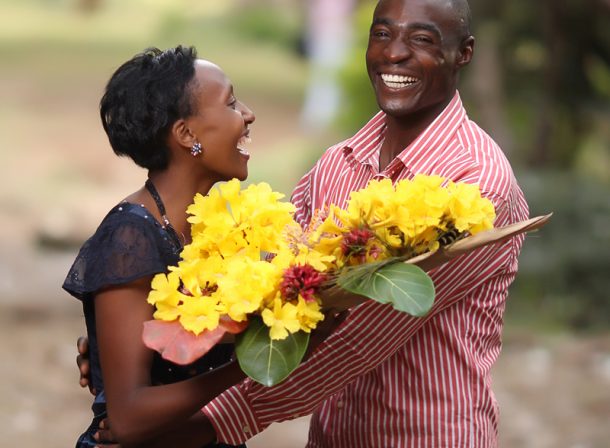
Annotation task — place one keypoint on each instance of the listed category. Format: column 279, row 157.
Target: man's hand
column 82, row 361
column 338, row 299
column 332, row 320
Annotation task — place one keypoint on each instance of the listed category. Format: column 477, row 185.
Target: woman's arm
column 139, row 412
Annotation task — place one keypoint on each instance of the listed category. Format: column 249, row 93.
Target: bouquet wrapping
column 252, row 271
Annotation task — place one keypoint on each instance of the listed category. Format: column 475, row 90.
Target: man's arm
column 371, row 334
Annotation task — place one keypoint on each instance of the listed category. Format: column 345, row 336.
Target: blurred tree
column 89, row 5
column 547, row 51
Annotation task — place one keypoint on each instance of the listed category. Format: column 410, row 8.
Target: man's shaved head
column 461, row 12
column 462, row 9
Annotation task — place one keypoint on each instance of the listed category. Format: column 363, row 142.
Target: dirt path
column 553, row 392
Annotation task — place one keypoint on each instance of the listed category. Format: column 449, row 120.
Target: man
column 386, row 379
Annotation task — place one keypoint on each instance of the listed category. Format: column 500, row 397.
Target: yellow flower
column 469, row 210
column 246, row 285
column 164, row 288
column 308, row 314
column 205, row 209
column 166, row 297
column 422, row 203
column 369, row 207
column 200, row 313
column 391, row 236
column 319, row 261
column 281, row 320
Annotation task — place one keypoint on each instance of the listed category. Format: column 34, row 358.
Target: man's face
column 414, row 54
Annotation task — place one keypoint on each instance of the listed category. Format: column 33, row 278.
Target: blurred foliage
column 563, row 274
column 280, row 26
column 359, row 102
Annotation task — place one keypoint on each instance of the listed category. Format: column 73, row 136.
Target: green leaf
column 407, row 287
column 266, row 361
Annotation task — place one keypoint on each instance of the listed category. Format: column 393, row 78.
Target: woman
column 176, row 116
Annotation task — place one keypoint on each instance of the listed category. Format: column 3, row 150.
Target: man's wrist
column 232, row 418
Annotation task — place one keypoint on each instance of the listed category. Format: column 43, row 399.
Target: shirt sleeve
column 361, row 343
column 122, row 250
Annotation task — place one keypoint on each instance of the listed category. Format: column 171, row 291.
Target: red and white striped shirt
column 386, row 379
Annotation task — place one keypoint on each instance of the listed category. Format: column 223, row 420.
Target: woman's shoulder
column 127, row 220
column 128, row 244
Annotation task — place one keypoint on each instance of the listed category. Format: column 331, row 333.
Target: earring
column 196, row 149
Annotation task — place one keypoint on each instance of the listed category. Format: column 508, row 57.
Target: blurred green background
column 539, row 83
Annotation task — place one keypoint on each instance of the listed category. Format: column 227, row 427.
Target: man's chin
column 396, row 110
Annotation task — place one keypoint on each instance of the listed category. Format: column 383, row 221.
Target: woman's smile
column 241, row 145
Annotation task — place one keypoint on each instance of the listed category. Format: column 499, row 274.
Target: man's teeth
column 397, row 81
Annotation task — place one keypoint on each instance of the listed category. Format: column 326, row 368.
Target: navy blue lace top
column 129, row 244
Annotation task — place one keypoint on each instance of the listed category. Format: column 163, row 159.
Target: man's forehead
column 438, row 14
column 441, row 9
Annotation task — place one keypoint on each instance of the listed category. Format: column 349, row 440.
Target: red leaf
column 178, row 345
column 232, row 326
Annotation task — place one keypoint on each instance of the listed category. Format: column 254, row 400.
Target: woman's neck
column 177, row 191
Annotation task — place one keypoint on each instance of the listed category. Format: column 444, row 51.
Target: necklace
column 167, row 225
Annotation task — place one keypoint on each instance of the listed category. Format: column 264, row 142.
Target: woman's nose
column 247, row 113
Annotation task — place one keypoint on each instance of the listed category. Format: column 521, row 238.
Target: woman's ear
column 466, row 51
column 182, row 134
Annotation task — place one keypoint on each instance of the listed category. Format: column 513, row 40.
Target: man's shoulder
column 332, row 157
column 480, row 144
column 494, row 171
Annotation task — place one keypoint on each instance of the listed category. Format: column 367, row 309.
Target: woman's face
column 220, row 123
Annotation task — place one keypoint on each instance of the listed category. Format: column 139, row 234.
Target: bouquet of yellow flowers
column 251, row 270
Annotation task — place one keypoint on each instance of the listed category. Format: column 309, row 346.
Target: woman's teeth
column 245, row 140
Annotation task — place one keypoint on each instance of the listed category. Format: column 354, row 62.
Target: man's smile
column 398, row 81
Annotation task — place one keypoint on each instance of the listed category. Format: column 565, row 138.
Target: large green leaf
column 405, row 286
column 266, row 361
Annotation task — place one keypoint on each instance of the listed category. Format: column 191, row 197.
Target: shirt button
column 339, row 404
column 246, row 429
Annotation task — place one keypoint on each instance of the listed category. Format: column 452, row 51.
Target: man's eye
column 422, row 39
column 233, row 103
column 380, row 33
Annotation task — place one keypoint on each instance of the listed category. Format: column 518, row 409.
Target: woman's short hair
column 143, row 99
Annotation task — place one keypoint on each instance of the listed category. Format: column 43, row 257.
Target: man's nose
column 397, row 50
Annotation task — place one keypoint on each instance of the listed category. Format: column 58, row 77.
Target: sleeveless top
column 129, row 244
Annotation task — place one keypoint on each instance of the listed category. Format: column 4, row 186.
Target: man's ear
column 466, row 51
column 182, row 134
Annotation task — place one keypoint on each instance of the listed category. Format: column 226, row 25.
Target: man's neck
column 402, row 131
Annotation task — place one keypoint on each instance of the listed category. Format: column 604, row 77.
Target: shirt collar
column 364, row 147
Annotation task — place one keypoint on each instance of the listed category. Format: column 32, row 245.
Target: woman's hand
column 82, row 361
column 104, row 435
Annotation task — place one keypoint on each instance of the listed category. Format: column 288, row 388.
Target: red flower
column 301, row 280
column 355, row 242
